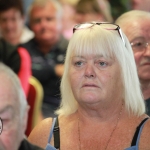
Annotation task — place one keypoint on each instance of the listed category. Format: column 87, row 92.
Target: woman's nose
column 89, row 71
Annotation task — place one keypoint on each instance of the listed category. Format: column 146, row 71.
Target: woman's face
column 11, row 24
column 95, row 79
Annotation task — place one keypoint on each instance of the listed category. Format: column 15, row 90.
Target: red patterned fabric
column 25, row 69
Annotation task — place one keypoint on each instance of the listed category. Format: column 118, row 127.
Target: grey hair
column 17, row 88
column 130, row 16
column 99, row 41
column 43, row 3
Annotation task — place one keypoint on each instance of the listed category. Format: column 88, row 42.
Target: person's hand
column 59, row 69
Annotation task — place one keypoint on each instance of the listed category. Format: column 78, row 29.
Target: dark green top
column 9, row 55
column 25, row 145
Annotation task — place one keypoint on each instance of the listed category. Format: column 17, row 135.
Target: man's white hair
column 21, row 98
column 43, row 3
column 130, row 16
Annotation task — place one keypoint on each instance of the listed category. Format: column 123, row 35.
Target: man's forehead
column 6, row 86
column 7, row 90
column 7, row 108
column 5, row 80
column 8, row 101
column 137, row 29
column 48, row 5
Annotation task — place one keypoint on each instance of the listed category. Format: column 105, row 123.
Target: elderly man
column 13, row 112
column 136, row 26
column 47, row 50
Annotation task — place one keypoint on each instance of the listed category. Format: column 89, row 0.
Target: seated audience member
column 92, row 10
column 47, row 50
column 12, row 27
column 102, row 104
column 13, row 112
column 136, row 26
column 140, row 5
column 106, row 9
column 18, row 59
column 68, row 20
column 14, row 32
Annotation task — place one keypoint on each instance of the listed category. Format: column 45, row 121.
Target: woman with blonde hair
column 102, row 107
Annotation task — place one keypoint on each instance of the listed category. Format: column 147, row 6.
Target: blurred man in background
column 47, row 50
column 92, row 10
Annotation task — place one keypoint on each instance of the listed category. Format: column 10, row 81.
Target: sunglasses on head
column 107, row 26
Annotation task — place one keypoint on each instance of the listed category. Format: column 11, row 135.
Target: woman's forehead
column 99, row 52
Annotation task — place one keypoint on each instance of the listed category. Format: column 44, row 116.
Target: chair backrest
column 35, row 99
column 24, row 73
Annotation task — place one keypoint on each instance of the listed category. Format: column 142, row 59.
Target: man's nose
column 147, row 50
column 43, row 22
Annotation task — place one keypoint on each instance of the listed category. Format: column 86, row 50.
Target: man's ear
column 25, row 118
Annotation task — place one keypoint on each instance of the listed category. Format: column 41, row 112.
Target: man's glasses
column 107, row 26
column 139, row 44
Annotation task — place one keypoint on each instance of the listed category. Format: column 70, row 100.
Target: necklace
column 79, row 138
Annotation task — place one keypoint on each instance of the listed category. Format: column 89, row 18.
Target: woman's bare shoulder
column 145, row 136
column 146, row 128
column 39, row 135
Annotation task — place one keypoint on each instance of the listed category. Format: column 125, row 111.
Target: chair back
column 35, row 99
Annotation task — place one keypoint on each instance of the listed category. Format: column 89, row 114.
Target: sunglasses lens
column 82, row 26
column 109, row 26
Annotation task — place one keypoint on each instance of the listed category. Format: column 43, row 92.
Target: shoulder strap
column 56, row 134
column 51, row 131
column 55, row 130
column 137, row 132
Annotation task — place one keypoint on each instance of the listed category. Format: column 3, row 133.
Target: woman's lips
column 90, row 85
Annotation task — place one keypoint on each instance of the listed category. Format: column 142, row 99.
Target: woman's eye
column 103, row 64
column 79, row 63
